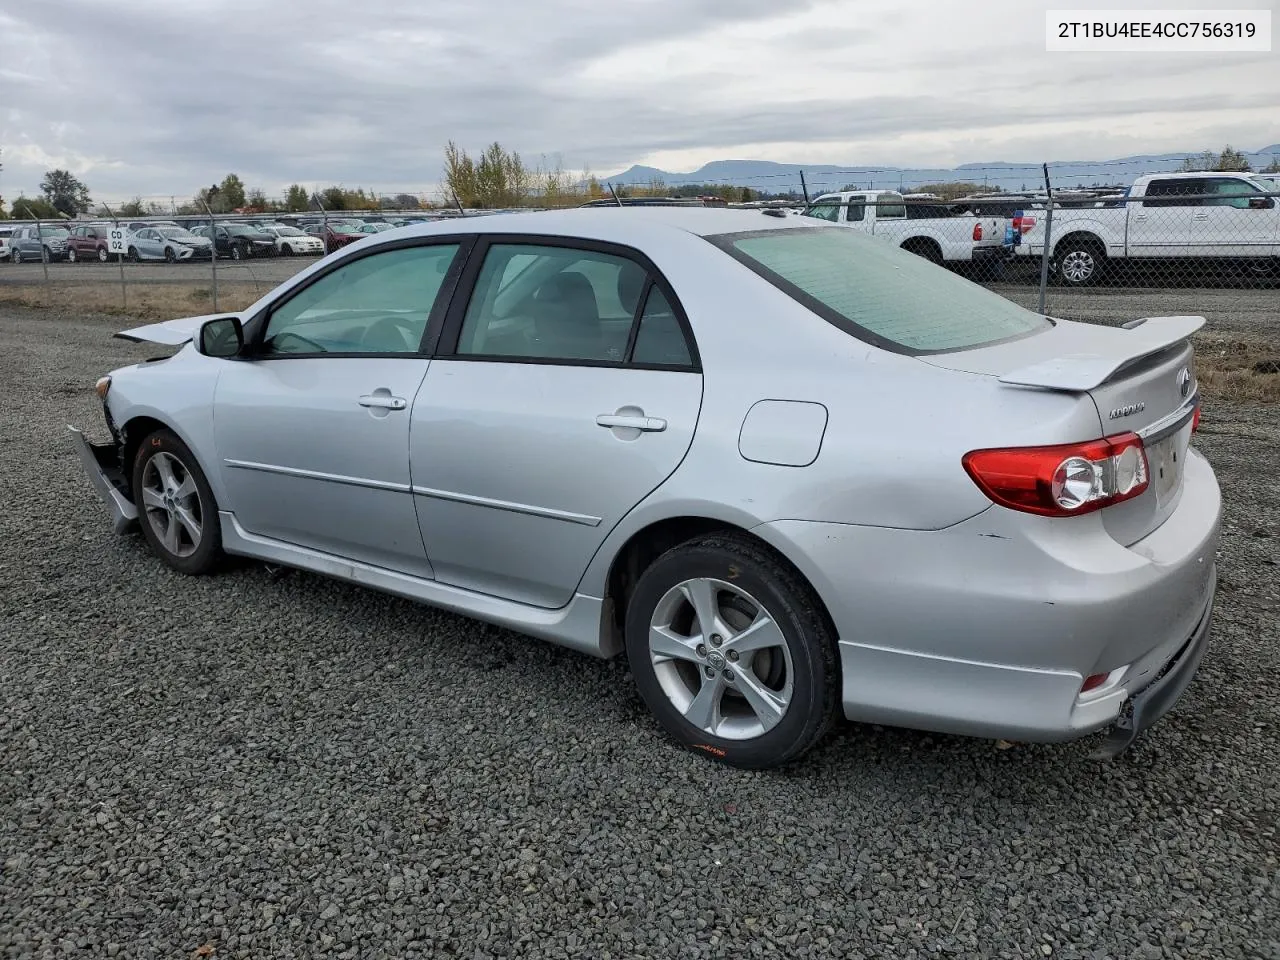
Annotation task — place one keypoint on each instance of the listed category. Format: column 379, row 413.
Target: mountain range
column 782, row 177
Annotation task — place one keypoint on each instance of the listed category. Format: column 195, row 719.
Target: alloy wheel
column 1078, row 266
column 721, row 659
column 172, row 504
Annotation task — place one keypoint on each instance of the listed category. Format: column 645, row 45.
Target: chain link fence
column 1157, row 241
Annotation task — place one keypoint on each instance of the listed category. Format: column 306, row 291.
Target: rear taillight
column 1063, row 480
column 977, row 231
column 1093, row 682
column 1195, row 419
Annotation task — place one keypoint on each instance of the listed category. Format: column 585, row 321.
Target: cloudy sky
column 157, row 97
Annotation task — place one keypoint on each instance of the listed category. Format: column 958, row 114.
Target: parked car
column 88, row 241
column 937, row 232
column 375, row 226
column 239, row 241
column 29, row 242
column 168, row 243
column 290, row 240
column 137, row 225
column 5, row 234
column 788, row 469
column 1173, row 216
column 335, row 233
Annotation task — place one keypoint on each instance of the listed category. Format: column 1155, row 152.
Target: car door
column 1233, row 220
column 565, row 389
column 312, row 428
column 146, row 242
column 1160, row 226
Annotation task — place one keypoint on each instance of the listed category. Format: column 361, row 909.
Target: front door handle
column 383, row 400
column 1201, row 216
column 647, row 424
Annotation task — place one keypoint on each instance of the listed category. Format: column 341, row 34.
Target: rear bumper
column 989, row 254
column 990, row 627
column 100, row 466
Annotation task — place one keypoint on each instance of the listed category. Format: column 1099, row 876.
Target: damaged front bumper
column 102, row 465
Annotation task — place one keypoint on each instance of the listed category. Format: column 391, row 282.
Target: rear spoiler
column 1085, row 371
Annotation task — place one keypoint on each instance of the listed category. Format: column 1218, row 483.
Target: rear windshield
column 879, row 293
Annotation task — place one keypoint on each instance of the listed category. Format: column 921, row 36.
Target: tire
column 286, row 250
column 752, row 586
column 71, row 255
column 45, row 255
column 169, row 255
column 103, row 256
column 924, row 248
column 167, row 531
column 132, row 255
column 236, row 252
column 1079, row 261
column 16, row 256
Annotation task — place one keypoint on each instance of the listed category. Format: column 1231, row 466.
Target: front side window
column 1229, row 192
column 879, row 293
column 824, row 210
column 556, row 303
column 376, row 304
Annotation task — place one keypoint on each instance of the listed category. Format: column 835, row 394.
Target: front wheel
column 45, row 256
column 179, row 517
column 236, row 252
column 286, row 251
column 169, row 255
column 71, row 255
column 16, row 255
column 732, row 652
column 102, row 254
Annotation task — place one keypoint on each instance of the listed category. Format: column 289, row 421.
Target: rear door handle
column 383, row 400
column 647, row 424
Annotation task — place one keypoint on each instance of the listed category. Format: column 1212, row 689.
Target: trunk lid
column 1141, row 379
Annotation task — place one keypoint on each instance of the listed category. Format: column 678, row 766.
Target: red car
column 88, row 242
column 335, row 234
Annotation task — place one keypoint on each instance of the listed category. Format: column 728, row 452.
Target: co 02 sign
column 116, row 241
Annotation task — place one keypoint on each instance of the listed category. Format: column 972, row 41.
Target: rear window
column 879, row 293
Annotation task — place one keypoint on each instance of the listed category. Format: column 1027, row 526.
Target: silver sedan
column 788, row 471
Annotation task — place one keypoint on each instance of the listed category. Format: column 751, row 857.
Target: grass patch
column 1238, row 368
column 144, row 302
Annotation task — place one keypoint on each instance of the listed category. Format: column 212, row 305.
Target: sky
column 159, row 97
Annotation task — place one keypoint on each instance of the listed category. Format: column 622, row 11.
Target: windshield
column 289, row 232
column 55, row 233
column 1268, row 184
column 343, row 227
column 175, row 233
column 240, row 230
column 879, row 293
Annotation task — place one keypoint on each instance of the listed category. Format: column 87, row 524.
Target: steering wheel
column 275, row 341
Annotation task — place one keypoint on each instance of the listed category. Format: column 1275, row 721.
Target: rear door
column 566, row 388
column 1160, row 226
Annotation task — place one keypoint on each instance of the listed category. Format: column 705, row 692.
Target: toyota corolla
column 788, row 471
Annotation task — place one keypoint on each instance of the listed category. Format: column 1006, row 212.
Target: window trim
column 724, row 243
column 256, row 327
column 446, row 347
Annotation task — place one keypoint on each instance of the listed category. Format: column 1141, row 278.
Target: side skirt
column 579, row 625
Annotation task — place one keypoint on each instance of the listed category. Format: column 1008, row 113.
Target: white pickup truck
column 1223, row 216
column 932, row 230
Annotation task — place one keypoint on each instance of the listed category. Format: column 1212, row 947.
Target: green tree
column 1272, row 167
column 296, row 199
column 134, row 208
column 1231, row 160
column 27, row 208
column 334, row 198
column 231, row 192
column 65, row 192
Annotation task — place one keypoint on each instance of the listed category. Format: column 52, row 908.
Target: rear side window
column 879, row 293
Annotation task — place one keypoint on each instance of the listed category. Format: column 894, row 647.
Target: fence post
column 39, row 239
column 324, row 220
column 124, row 296
column 213, row 251
column 804, row 188
column 1048, row 239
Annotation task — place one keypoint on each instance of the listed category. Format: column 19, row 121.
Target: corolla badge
column 1128, row 410
column 1184, row 382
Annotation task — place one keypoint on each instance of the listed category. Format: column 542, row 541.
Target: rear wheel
column 731, row 651
column 924, row 248
column 133, row 255
column 1080, row 261
column 179, row 517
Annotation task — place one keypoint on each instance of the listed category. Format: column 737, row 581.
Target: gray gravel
column 294, row 767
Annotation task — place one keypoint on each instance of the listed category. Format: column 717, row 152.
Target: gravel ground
column 293, row 767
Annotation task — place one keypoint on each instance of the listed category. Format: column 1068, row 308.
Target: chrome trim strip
column 582, row 518
column 1173, row 422
column 319, row 475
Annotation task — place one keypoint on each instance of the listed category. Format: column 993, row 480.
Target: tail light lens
column 1064, row 480
column 977, row 231
column 1195, row 419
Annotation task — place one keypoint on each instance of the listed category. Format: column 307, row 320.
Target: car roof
column 625, row 225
